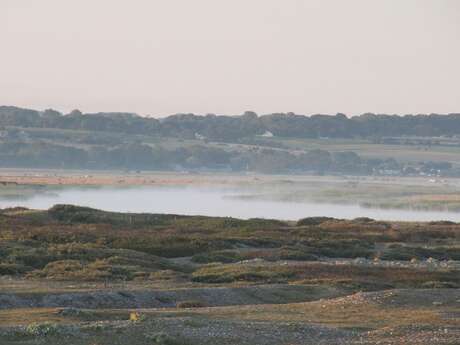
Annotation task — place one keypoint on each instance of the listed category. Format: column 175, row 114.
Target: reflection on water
column 213, row 202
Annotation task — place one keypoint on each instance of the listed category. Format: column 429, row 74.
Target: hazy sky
column 160, row 57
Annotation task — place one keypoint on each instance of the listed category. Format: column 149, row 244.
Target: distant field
column 365, row 148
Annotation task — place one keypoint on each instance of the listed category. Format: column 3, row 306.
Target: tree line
column 234, row 128
column 138, row 156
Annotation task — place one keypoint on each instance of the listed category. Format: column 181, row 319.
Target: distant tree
column 75, row 112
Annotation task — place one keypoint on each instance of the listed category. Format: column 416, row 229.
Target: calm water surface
column 213, row 202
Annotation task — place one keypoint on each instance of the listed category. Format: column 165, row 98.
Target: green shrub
column 224, row 256
column 34, row 257
column 191, row 304
column 61, row 266
column 13, row 269
column 442, row 222
column 41, row 329
column 296, row 254
column 341, row 248
column 163, row 339
column 86, row 215
column 171, row 247
column 216, row 274
column 439, row 285
column 405, row 253
column 363, row 220
column 313, row 221
column 74, row 269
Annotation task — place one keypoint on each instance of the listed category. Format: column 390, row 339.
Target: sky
column 160, row 57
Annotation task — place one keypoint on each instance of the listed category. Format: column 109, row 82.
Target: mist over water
column 213, row 202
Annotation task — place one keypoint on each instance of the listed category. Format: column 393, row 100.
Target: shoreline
column 58, row 177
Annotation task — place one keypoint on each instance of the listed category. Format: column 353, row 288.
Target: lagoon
column 213, row 201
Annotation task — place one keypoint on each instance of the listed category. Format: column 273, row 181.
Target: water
column 213, row 202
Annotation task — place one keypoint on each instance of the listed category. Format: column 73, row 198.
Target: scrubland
column 86, row 276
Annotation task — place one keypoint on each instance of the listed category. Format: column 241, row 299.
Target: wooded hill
column 229, row 128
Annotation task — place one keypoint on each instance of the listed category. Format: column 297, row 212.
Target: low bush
column 215, row 274
column 319, row 273
column 224, row 256
column 190, row 304
column 171, row 247
column 313, row 221
column 41, row 329
column 341, row 248
column 13, row 269
column 164, row 339
column 296, row 254
column 75, row 270
column 439, row 285
column 363, row 220
column 406, row 253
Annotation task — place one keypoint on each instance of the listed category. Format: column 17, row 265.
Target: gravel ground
column 228, row 325
column 215, row 296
